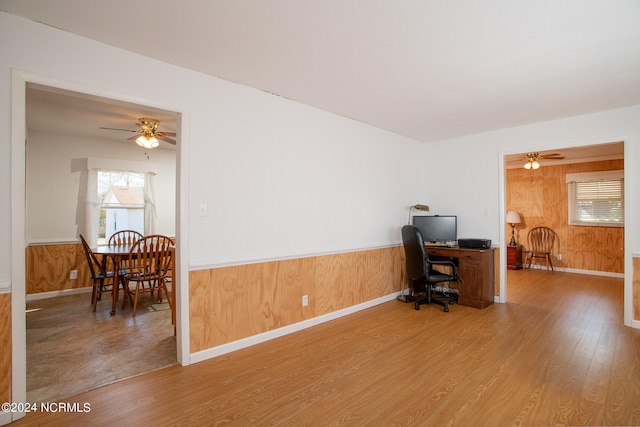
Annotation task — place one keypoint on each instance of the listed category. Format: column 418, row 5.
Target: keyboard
column 440, row 244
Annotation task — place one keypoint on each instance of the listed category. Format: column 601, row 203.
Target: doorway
column 540, row 197
column 21, row 80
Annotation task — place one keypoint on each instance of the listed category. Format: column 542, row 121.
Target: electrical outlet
column 305, row 300
column 559, row 256
column 73, row 274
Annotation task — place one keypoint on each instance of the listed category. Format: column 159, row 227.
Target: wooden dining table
column 118, row 253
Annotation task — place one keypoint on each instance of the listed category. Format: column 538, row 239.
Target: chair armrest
column 447, row 263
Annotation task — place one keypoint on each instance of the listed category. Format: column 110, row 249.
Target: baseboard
column 53, row 294
column 286, row 330
column 579, row 271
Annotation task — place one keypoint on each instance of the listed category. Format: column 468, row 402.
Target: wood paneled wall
column 231, row 303
column 540, row 197
column 48, row 267
column 5, row 345
column 636, row 288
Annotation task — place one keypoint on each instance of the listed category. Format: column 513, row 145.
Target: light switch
column 202, row 209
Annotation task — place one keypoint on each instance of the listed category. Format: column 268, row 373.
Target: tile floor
column 71, row 349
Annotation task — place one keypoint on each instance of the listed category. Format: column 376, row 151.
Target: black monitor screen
column 438, row 228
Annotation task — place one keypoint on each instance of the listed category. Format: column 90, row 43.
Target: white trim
column 286, row 330
column 60, row 293
column 502, row 238
column 578, row 271
column 5, row 286
column 628, row 232
column 54, row 241
column 20, row 79
column 18, row 238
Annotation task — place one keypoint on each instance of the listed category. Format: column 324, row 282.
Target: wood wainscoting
column 231, row 303
column 49, row 265
column 541, row 198
column 5, row 345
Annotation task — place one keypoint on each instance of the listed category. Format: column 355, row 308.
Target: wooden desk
column 475, row 271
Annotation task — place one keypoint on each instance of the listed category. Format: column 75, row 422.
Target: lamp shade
column 513, row 217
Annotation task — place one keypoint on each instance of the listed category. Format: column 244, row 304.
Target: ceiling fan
column 532, row 159
column 148, row 136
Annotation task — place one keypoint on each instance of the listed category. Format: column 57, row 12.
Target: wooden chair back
column 149, row 261
column 541, row 240
column 96, row 268
column 124, row 237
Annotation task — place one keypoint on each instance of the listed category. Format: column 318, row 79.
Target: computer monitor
column 437, row 228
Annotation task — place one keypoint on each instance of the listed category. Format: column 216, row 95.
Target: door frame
column 628, row 256
column 20, row 79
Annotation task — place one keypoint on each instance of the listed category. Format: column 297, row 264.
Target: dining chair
column 149, row 261
column 124, row 237
column 541, row 241
column 100, row 276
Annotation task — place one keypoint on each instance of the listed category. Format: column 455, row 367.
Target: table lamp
column 513, row 218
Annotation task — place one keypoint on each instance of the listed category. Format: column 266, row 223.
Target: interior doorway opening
column 19, row 214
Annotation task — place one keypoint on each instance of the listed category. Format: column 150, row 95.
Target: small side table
column 514, row 257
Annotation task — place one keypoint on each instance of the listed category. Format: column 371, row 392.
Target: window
column 596, row 198
column 122, row 202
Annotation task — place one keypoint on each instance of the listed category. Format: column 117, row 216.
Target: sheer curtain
column 88, row 212
column 149, row 204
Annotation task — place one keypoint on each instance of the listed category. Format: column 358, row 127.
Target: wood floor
column 557, row 354
column 71, row 349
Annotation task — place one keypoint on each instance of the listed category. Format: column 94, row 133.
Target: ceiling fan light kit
column 149, row 136
column 532, row 159
column 147, row 141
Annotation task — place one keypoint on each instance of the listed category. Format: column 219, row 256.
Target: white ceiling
column 427, row 69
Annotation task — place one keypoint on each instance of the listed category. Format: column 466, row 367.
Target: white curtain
column 149, row 204
column 92, row 209
column 88, row 212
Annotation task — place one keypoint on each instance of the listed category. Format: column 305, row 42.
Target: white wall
column 53, row 182
column 282, row 179
column 475, row 165
column 279, row 178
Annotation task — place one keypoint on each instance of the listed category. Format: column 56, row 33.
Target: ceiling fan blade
column 165, row 139
column 125, row 130
column 133, row 138
column 554, row 156
column 159, row 134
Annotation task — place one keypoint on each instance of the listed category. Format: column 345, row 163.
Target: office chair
column 540, row 241
column 423, row 278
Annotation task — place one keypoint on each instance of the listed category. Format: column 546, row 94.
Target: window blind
column 596, row 199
